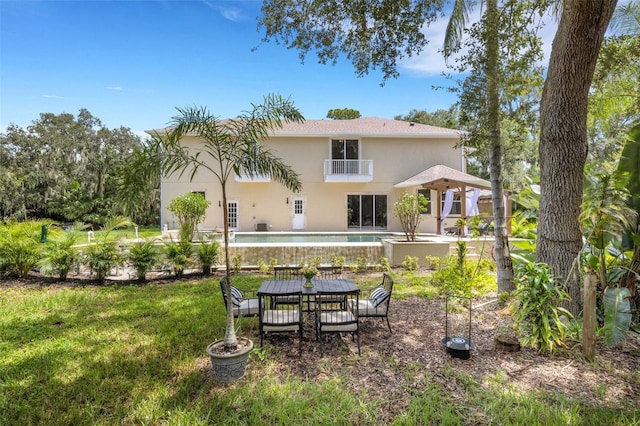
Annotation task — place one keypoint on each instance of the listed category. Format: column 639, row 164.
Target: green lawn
column 136, row 355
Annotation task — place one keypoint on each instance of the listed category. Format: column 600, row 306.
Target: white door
column 298, row 214
column 232, row 207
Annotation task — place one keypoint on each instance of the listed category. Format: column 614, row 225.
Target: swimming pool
column 309, row 237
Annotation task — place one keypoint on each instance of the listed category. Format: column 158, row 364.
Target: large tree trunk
column 501, row 252
column 563, row 136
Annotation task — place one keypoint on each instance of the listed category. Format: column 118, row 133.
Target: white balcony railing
column 348, row 170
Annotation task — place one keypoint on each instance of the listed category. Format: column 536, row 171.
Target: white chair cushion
column 366, row 307
column 329, row 317
column 247, row 307
column 273, row 317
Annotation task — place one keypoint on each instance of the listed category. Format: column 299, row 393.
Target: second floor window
column 343, row 150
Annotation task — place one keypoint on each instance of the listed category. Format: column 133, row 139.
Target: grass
column 135, row 355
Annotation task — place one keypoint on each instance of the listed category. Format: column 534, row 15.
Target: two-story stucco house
column 352, row 173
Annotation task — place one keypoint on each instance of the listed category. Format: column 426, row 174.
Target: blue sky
column 131, row 63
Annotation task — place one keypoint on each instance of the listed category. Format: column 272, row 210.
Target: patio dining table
column 275, row 287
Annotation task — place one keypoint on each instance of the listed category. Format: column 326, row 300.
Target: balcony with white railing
column 348, row 170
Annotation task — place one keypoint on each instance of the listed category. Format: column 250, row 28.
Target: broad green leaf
column 617, row 314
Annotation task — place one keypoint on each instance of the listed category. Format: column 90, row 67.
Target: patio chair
column 330, row 273
column 338, row 321
column 377, row 305
column 287, row 320
column 287, row 273
column 243, row 306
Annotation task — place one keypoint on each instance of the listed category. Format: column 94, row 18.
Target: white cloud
column 114, row 88
column 228, row 12
column 52, row 97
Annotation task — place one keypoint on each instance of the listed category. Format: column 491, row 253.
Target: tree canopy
column 66, row 168
column 343, row 114
column 372, row 35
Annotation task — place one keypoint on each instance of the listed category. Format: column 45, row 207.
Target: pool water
column 308, row 238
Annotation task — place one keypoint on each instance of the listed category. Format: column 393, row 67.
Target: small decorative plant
column 309, row 271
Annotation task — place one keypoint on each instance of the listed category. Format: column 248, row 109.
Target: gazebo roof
column 441, row 178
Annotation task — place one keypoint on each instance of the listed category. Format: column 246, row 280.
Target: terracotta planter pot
column 229, row 366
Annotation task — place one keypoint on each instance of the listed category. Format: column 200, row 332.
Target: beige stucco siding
column 394, row 160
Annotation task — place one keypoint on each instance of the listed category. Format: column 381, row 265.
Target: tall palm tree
column 226, row 148
column 453, row 36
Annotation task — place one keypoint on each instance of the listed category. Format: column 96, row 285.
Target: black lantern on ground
column 457, row 332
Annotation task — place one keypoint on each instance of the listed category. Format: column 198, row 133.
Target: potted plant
column 226, row 148
column 308, row 272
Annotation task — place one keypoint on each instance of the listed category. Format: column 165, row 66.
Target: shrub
column 142, row 256
column 537, row 313
column 383, row 265
column 179, row 255
column 208, row 255
column 477, row 277
column 104, row 255
column 189, row 209
column 263, row 267
column 337, row 261
column 449, row 280
column 101, row 257
column 410, row 263
column 361, row 264
column 20, row 247
column 434, row 262
column 236, row 262
column 60, row 255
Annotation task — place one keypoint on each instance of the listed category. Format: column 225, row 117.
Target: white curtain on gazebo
column 448, row 203
column 472, row 203
column 472, row 207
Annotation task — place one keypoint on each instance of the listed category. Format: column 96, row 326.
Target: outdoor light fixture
column 287, row 200
column 457, row 329
column 219, row 203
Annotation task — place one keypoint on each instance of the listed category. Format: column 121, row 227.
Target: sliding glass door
column 367, row 211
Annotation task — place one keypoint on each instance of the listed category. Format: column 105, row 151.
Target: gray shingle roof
column 365, row 126
column 359, row 127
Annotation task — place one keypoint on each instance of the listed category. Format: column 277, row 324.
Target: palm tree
column 453, row 36
column 228, row 148
column 626, row 19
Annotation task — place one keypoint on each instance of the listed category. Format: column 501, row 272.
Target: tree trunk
column 502, row 255
column 563, row 137
column 230, row 338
